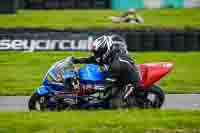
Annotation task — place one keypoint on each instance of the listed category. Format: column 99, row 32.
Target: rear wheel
column 155, row 97
column 152, row 97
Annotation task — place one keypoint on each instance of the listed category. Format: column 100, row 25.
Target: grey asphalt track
column 172, row 101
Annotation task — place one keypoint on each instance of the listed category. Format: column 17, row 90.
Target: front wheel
column 37, row 102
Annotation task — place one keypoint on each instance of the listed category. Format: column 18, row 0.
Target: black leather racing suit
column 121, row 69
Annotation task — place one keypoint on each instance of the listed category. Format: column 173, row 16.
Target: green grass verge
column 21, row 73
column 174, row 18
column 120, row 121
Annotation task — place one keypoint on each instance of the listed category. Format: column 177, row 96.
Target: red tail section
column 152, row 72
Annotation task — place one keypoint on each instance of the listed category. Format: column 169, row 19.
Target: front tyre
column 37, row 102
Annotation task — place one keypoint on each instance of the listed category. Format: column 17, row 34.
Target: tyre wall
column 68, row 39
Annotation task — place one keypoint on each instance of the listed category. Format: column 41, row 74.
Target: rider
column 112, row 52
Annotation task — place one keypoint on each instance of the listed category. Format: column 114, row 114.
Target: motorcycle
column 86, row 89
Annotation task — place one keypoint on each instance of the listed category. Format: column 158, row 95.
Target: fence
column 64, row 4
column 8, row 6
column 11, row 5
column 114, row 4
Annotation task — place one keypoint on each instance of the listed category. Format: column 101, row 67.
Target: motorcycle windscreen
column 91, row 72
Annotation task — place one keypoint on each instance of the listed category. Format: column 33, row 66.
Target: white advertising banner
column 46, row 44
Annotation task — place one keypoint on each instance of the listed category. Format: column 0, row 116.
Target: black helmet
column 104, row 46
column 101, row 48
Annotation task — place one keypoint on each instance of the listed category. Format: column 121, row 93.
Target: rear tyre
column 152, row 97
column 155, row 97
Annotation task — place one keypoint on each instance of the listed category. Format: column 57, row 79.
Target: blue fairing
column 91, row 72
column 42, row 90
